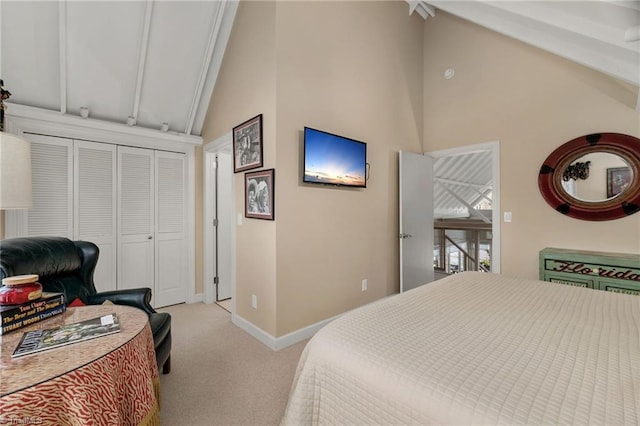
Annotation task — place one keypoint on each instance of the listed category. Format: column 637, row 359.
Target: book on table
column 14, row 317
column 50, row 338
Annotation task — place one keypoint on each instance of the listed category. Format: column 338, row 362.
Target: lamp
column 15, row 172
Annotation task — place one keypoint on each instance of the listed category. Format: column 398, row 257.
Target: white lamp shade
column 15, row 172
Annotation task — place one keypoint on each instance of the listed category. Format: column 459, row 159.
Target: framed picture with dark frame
column 618, row 179
column 259, row 198
column 247, row 145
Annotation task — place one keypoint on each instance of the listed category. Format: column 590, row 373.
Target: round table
column 109, row 380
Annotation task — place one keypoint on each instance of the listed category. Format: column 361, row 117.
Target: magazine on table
column 42, row 340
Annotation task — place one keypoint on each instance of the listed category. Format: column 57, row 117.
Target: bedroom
column 281, row 61
column 295, row 73
column 391, row 93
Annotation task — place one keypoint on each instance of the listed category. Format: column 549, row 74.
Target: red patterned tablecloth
column 111, row 380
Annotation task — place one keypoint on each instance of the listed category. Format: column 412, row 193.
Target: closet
column 129, row 201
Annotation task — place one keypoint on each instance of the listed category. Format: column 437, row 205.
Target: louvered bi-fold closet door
column 170, row 271
column 95, row 188
column 135, row 218
column 52, row 186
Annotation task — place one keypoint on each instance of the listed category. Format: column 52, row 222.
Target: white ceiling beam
column 423, row 9
column 50, row 122
column 213, row 36
column 549, row 14
column 586, row 47
column 144, row 45
column 477, row 186
column 630, row 4
column 472, row 210
column 413, row 5
column 483, row 196
column 62, row 51
column 231, row 7
column 632, row 34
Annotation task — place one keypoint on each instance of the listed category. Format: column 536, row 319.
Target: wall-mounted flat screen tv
column 334, row 160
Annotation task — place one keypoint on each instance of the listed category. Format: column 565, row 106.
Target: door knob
column 404, row 235
column 149, row 237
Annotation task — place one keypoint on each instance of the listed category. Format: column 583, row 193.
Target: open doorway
column 219, row 229
column 466, row 209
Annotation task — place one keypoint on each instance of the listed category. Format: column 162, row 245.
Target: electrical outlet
column 254, row 301
column 365, row 284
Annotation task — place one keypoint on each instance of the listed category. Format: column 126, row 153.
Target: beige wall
column 369, row 71
column 532, row 102
column 246, row 87
column 351, row 68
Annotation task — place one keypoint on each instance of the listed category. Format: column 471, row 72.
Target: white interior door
column 223, row 145
column 224, row 213
column 170, row 250
column 416, row 220
column 94, row 215
column 135, row 218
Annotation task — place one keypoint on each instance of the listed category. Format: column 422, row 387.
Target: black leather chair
column 67, row 267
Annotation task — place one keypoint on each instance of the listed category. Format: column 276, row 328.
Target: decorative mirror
column 593, row 177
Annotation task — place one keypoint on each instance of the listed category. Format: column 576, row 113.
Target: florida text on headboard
column 584, row 268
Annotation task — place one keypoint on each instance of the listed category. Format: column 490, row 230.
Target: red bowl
column 20, row 293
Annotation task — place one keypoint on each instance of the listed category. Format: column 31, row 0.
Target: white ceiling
column 600, row 34
column 461, row 182
column 157, row 60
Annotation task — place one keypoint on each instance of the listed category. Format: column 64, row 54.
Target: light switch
column 507, row 216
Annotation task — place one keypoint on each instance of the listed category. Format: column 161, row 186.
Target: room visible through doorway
column 466, row 192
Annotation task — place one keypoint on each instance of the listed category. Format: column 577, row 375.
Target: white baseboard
column 277, row 343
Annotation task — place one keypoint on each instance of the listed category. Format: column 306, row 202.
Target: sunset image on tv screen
column 334, row 160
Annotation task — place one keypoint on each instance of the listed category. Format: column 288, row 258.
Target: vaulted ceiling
column 152, row 62
column 139, row 62
column 600, row 34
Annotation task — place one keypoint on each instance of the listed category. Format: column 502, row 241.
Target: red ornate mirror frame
column 550, row 179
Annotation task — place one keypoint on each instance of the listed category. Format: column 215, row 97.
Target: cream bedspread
column 476, row 348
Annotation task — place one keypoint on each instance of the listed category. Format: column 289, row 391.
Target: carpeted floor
column 220, row 375
column 225, row 304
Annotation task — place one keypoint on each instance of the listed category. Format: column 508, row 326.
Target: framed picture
column 247, row 145
column 258, row 190
column 618, row 179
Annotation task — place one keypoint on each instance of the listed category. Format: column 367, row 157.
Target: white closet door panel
column 170, row 275
column 135, row 265
column 95, row 186
column 170, row 182
column 105, row 277
column 170, row 220
column 135, row 218
column 52, row 186
column 95, row 205
column 136, row 191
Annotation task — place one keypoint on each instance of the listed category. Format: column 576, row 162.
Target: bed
column 475, row 348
